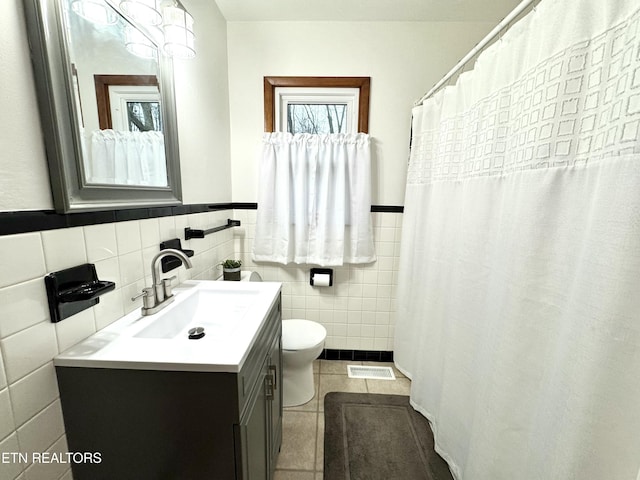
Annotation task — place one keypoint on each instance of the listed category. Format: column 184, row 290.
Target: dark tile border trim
column 35, row 221
column 38, row 220
column 245, row 206
column 387, row 208
column 356, row 355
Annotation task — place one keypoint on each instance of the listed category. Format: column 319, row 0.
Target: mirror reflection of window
column 133, row 108
column 129, row 147
column 144, row 116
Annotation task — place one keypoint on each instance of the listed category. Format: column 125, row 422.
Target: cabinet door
column 252, row 438
column 275, row 405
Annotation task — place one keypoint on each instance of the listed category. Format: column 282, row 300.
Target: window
column 316, row 118
column 316, row 110
column 316, row 104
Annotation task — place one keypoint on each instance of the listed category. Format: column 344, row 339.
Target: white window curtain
column 518, row 305
column 314, row 199
column 127, row 158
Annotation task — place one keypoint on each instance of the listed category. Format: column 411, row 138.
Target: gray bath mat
column 378, row 437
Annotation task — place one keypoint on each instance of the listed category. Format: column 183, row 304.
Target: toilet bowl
column 302, row 342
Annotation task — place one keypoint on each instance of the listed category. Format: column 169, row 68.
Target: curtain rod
column 490, row 36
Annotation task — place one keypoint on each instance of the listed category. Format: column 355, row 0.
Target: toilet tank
column 250, row 276
column 246, row 276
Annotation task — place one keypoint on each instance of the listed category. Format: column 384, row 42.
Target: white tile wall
column 9, row 445
column 7, row 424
column 22, row 258
column 64, row 248
column 30, row 413
column 22, row 305
column 101, row 242
column 42, row 430
column 28, row 349
column 33, row 392
column 43, row 471
column 358, row 310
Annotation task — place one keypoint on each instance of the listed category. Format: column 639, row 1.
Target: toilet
column 302, row 343
column 245, row 276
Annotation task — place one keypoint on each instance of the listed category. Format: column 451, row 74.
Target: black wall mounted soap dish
column 171, row 262
column 73, row 290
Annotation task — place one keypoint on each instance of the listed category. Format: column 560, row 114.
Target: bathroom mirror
column 107, row 104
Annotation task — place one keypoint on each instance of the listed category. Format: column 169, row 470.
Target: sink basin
column 216, row 312
column 228, row 313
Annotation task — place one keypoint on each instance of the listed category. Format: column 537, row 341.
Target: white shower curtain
column 127, row 158
column 314, row 199
column 518, row 306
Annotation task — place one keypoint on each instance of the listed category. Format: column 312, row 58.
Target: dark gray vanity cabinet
column 259, row 433
column 175, row 425
column 275, row 405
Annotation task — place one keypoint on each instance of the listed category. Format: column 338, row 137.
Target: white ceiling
column 366, row 10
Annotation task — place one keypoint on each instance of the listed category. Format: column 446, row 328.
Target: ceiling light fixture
column 145, row 12
column 174, row 24
column 96, row 11
column 177, row 25
column 138, row 44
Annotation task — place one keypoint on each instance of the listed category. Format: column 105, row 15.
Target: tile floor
column 302, row 452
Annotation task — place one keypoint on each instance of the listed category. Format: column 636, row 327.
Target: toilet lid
column 301, row 334
column 250, row 276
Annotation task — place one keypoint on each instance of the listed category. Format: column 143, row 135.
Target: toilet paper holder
column 321, row 271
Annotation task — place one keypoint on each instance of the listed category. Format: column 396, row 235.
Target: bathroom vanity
column 156, row 404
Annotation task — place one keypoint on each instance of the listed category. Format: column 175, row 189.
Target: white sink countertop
column 231, row 314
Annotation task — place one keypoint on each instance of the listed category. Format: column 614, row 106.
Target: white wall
column 202, row 96
column 403, row 60
column 24, row 179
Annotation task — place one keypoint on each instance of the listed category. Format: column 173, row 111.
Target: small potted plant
column 231, row 269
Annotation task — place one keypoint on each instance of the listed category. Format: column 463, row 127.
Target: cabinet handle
column 268, row 386
column 274, row 370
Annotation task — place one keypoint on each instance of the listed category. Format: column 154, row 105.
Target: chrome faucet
column 159, row 295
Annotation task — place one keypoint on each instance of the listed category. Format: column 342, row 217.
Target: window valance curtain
column 314, row 199
column 127, row 158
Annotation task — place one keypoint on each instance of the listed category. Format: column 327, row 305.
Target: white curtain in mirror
column 518, row 313
column 314, row 199
column 127, row 158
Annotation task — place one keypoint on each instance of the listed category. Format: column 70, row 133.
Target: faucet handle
column 147, row 297
column 167, row 286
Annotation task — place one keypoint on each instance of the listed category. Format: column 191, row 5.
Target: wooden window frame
column 363, row 84
column 102, row 83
